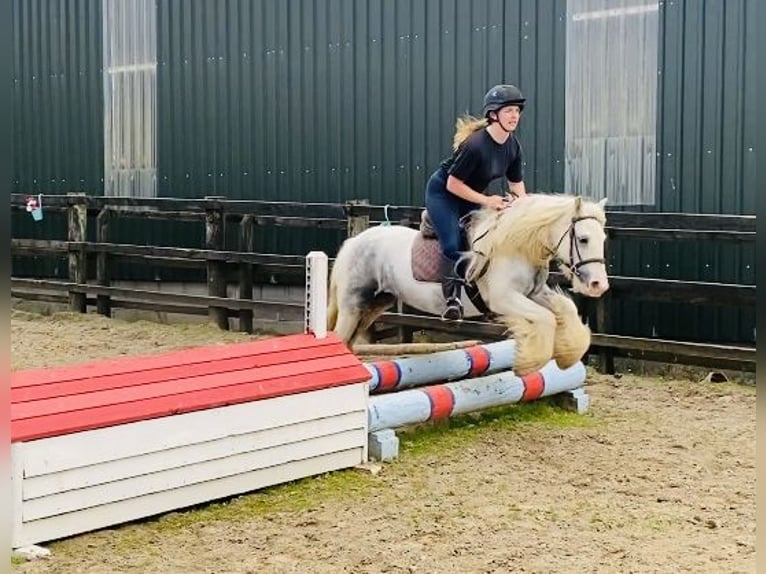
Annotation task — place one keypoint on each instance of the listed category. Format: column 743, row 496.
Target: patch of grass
column 288, row 497
column 457, row 431
column 16, row 560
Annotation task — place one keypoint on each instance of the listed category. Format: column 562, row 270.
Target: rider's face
column 509, row 117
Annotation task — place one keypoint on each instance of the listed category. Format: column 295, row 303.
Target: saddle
column 426, row 258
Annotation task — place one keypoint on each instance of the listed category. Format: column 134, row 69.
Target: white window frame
column 611, row 100
column 130, row 97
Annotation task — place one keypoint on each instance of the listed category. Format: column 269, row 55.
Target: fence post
column 103, row 302
column 404, row 333
column 246, row 244
column 77, row 223
column 357, row 223
column 216, row 276
column 606, row 355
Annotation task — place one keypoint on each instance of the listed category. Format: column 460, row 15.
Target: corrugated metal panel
column 58, row 132
column 57, row 96
column 706, row 164
column 709, row 85
column 345, row 99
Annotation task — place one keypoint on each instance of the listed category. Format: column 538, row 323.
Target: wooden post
column 216, row 277
column 605, row 356
column 77, row 219
column 357, row 223
column 405, row 332
column 103, row 302
column 246, row 244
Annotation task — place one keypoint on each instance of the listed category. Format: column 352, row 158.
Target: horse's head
column 579, row 246
column 541, row 227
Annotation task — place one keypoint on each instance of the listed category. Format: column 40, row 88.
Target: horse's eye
column 583, row 240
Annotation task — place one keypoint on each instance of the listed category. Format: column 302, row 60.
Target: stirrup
column 454, row 310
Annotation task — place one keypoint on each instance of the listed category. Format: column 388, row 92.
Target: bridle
column 574, row 266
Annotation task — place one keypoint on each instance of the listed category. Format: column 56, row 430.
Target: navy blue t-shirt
column 479, row 160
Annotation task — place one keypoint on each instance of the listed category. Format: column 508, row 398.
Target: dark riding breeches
column 445, row 210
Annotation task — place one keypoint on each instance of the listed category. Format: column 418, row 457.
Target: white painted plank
column 114, row 470
column 18, row 452
column 85, row 448
column 160, row 502
column 184, row 476
column 366, row 452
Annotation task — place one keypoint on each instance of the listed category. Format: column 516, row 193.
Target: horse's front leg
column 533, row 328
column 572, row 338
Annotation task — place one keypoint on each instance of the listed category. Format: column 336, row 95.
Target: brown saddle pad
column 426, row 253
column 426, row 258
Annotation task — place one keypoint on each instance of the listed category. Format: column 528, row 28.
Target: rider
column 483, row 150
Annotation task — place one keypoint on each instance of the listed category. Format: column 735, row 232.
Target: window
column 130, row 97
column 611, row 99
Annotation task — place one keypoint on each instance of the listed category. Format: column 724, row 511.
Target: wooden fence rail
column 215, row 213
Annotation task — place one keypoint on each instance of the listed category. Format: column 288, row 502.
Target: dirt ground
column 659, row 476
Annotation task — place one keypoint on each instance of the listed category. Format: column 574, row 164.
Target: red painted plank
column 137, row 378
column 50, row 402
column 109, row 415
column 31, row 377
column 259, row 382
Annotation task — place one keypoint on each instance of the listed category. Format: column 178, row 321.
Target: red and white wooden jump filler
column 106, row 442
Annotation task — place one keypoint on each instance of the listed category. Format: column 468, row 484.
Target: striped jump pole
column 405, row 373
column 390, row 411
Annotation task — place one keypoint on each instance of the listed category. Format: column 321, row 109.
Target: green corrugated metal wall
column 707, row 148
column 344, row 99
column 327, row 101
column 57, row 103
column 58, row 96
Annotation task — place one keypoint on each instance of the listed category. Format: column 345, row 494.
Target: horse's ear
column 602, row 203
column 578, row 203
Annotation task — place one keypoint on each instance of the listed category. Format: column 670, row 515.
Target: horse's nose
column 598, row 286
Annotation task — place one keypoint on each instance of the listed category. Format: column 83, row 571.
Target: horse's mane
column 464, row 127
column 522, row 229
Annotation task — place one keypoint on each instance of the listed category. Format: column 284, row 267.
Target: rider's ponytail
column 464, row 127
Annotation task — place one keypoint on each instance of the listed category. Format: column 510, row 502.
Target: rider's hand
column 496, row 202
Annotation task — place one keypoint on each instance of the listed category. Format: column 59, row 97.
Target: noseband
column 574, row 266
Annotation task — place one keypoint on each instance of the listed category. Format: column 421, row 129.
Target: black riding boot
column 451, row 289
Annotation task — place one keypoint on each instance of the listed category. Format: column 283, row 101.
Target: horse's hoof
column 452, row 313
column 526, row 368
column 564, row 365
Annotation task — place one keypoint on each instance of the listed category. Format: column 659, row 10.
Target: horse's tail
column 464, row 127
column 332, row 301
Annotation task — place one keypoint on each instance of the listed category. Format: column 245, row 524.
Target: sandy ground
column 659, row 476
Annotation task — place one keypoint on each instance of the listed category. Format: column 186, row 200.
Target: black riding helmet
column 502, row 95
